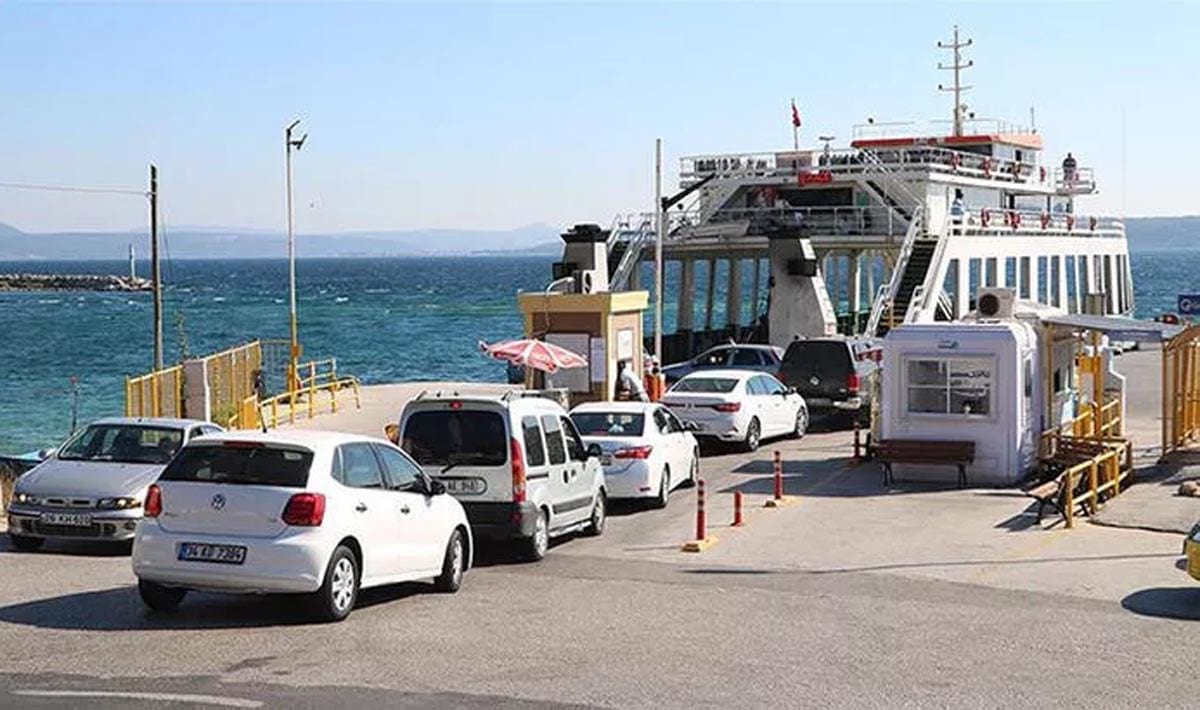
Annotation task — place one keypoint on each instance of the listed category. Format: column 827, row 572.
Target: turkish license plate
column 205, row 552
column 75, row 520
column 464, row 486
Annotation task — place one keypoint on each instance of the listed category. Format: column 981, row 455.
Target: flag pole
column 795, row 128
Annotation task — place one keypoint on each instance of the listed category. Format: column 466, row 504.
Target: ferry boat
column 906, row 224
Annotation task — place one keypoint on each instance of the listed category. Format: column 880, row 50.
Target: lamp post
column 289, row 145
column 827, row 140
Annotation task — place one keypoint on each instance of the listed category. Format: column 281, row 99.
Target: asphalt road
column 594, row 625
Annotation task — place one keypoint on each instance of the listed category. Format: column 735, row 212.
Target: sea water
column 384, row 319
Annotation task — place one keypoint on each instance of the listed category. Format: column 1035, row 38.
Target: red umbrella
column 537, row 354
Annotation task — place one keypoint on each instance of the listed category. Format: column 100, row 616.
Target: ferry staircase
column 630, row 234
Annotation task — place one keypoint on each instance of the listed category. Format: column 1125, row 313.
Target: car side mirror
column 594, row 451
column 792, row 390
column 392, row 432
column 435, row 487
column 47, row 453
column 691, row 426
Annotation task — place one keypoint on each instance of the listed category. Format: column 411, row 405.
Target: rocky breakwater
column 72, row 282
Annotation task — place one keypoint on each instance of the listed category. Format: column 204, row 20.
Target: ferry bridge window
column 1024, row 281
column 972, row 282
column 1055, row 280
column 990, row 272
column 1010, row 272
column 1072, row 285
column 1108, row 283
column 1084, row 288
column 949, row 386
column 950, row 286
column 1043, row 282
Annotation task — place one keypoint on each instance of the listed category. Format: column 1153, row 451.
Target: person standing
column 1069, row 167
column 629, row 387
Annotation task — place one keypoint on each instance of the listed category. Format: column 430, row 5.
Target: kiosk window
column 950, row 386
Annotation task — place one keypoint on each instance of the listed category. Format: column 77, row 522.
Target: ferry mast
column 958, row 89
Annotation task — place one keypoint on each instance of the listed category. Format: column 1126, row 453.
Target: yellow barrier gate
column 1181, row 390
column 156, row 394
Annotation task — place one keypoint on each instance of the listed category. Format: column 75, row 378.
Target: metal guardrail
column 939, row 128
column 306, row 401
column 1028, row 223
column 155, row 394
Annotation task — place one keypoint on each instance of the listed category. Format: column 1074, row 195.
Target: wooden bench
column 912, row 451
column 1053, row 493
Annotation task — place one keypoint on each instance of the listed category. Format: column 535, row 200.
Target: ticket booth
column 605, row 328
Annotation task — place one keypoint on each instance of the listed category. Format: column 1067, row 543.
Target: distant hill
column 234, row 243
column 1163, row 233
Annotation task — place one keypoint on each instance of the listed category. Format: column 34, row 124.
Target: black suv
column 832, row 374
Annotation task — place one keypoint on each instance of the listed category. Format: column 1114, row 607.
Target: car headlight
column 118, row 503
column 24, row 498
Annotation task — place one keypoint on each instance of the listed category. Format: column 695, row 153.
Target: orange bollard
column 857, row 458
column 738, row 520
column 701, row 519
column 778, row 476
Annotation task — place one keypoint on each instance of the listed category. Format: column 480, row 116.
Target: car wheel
column 664, row 488
column 160, row 598
column 335, row 599
column 599, row 516
column 25, row 544
column 801, row 423
column 536, row 546
column 753, row 432
column 454, row 566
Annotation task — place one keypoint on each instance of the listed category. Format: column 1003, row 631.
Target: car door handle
column 405, row 509
column 361, row 507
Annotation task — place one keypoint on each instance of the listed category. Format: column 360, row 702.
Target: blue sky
column 500, row 115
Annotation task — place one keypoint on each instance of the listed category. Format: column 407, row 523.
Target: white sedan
column 646, row 452
column 738, row 405
column 308, row 512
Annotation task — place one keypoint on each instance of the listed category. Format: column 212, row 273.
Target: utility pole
column 155, row 269
column 956, row 46
column 659, row 226
column 294, row 361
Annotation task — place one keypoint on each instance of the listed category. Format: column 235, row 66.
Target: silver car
column 92, row 487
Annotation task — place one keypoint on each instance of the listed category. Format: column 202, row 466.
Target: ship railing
column 817, row 165
column 886, row 296
column 823, row 221
column 1001, row 222
column 935, row 129
column 1077, row 180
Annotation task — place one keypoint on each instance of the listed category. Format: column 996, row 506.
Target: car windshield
column 123, row 443
column 248, row 464
column 461, row 437
column 609, row 423
column 705, row 384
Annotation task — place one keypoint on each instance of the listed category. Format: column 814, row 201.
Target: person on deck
column 1069, row 167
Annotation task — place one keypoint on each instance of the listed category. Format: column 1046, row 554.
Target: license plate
column 205, row 552
column 465, row 486
column 77, row 520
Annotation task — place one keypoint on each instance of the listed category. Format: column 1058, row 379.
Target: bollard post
column 778, row 476
column 857, row 458
column 738, row 520
column 701, row 520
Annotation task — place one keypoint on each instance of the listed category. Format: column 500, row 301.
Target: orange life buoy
column 1042, row 173
column 987, row 167
column 1070, row 222
column 1016, row 220
column 1045, row 218
column 955, row 159
column 985, row 217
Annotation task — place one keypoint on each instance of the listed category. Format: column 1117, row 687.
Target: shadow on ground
column 1165, row 602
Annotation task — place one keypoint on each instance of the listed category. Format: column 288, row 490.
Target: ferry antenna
column 958, row 88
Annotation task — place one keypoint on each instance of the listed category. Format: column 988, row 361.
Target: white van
column 516, row 463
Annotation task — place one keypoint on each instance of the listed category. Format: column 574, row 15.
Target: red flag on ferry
column 795, row 115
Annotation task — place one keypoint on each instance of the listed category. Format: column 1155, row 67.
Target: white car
column 739, row 406
column 646, row 451
column 307, row 512
column 515, row 462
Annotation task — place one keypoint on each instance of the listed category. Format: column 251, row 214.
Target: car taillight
column 728, row 407
column 153, row 505
column 518, row 472
column 633, row 452
column 852, row 382
column 305, row 509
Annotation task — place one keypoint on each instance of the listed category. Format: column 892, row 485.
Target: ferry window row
column 1062, row 281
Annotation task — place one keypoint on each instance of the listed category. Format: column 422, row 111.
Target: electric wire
column 72, row 188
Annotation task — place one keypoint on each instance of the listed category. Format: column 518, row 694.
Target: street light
column 289, row 145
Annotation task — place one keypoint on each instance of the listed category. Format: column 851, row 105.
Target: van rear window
column 461, row 437
column 826, row 359
column 240, row 465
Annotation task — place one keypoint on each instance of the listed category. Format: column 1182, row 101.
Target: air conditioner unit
column 996, row 303
column 589, row 281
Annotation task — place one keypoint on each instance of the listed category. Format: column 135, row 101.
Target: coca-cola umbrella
column 537, row 354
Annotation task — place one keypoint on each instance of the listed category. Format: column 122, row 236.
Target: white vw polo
column 308, row 512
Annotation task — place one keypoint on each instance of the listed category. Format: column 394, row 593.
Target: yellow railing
column 1105, row 472
column 1083, row 426
column 304, row 402
column 155, row 394
column 1181, row 390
